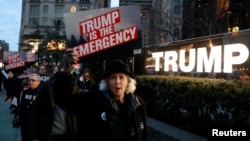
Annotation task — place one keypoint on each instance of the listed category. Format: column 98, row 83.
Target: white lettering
column 208, row 59
column 182, row 60
column 157, row 57
column 217, row 132
column 214, row 59
column 230, row 59
column 99, row 22
column 171, row 57
column 109, row 41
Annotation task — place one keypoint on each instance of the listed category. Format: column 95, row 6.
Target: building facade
column 162, row 21
column 208, row 17
column 43, row 18
column 146, row 7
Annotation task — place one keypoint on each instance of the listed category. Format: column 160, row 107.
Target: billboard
column 102, row 34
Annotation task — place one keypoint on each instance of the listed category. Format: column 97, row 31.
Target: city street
column 7, row 133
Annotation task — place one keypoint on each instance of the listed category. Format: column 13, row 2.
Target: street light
column 228, row 21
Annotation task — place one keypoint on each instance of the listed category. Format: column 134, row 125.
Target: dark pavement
column 7, row 132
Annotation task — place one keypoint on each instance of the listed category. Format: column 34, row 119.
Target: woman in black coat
column 113, row 112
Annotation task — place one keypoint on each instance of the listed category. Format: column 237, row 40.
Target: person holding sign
column 113, row 112
column 49, row 119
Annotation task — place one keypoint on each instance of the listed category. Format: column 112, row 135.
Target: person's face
column 33, row 82
column 55, row 70
column 86, row 76
column 117, row 83
column 10, row 74
column 76, row 66
column 42, row 70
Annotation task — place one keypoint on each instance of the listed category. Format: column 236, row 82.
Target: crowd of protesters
column 73, row 106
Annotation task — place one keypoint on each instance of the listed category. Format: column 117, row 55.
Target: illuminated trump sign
column 203, row 59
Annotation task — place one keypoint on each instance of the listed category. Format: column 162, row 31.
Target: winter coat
column 85, row 87
column 42, row 116
column 109, row 117
column 13, row 87
column 27, row 98
column 99, row 116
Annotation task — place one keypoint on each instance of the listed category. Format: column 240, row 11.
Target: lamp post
column 228, row 21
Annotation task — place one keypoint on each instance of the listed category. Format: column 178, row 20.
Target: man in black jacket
column 49, row 121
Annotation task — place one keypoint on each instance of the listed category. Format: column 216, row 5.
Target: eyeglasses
column 32, row 80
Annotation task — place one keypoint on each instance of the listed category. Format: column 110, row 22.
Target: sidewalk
column 7, row 133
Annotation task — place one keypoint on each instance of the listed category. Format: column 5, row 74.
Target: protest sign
column 101, row 34
column 17, row 59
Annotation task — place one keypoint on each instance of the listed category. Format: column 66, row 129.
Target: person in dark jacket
column 12, row 86
column 113, row 112
column 49, row 121
column 1, row 81
column 27, row 97
column 42, row 72
column 86, row 82
column 13, row 89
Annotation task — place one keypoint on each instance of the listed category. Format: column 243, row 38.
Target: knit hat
column 117, row 66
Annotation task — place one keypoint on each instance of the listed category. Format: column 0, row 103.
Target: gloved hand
column 69, row 60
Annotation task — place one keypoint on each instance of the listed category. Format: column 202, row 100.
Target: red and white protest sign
column 104, row 33
column 15, row 60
